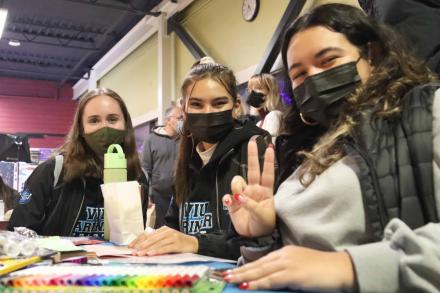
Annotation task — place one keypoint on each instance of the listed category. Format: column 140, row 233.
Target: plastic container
column 115, row 170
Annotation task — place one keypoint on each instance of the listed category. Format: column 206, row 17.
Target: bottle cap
column 114, row 160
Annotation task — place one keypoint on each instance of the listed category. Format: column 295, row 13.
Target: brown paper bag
column 123, row 209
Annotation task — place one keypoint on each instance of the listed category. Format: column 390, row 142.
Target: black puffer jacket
column 395, row 157
column 416, row 20
column 52, row 210
column 203, row 214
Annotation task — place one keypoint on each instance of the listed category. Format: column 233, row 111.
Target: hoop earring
column 307, row 122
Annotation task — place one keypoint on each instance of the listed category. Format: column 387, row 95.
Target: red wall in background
column 30, row 106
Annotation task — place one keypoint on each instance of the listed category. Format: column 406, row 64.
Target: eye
column 220, row 104
column 298, row 75
column 195, row 104
column 329, row 60
column 93, row 120
column 113, row 119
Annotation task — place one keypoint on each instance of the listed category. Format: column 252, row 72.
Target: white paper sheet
column 124, row 255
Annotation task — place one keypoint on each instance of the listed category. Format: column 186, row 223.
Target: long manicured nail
column 244, row 285
column 227, row 272
column 227, row 278
column 236, row 196
column 227, row 202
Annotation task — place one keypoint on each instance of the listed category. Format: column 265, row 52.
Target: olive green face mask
column 101, row 139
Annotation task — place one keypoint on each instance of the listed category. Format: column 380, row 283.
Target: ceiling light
column 3, row 15
column 14, row 43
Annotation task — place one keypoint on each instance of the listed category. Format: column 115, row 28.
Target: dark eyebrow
column 216, row 98
column 326, row 50
column 318, row 55
column 221, row 98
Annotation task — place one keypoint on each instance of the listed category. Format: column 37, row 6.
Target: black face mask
column 319, row 97
column 210, row 127
column 255, row 99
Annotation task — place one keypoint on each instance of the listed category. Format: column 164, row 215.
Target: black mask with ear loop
column 255, row 99
column 319, row 97
column 210, row 127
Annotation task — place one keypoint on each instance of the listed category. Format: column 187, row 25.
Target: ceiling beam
column 175, row 26
column 34, row 62
column 87, row 29
column 25, row 40
column 273, row 48
column 43, row 74
column 100, row 41
column 130, row 9
column 47, row 34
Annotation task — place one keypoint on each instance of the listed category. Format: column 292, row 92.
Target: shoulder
column 422, row 95
column 417, row 106
column 251, row 129
column 40, row 181
column 275, row 114
column 45, row 168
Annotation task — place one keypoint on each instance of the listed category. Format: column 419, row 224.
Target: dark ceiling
column 62, row 39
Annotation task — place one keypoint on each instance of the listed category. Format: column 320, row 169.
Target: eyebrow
column 98, row 116
column 215, row 98
column 317, row 55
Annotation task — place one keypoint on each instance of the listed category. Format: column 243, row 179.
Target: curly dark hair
column 395, row 72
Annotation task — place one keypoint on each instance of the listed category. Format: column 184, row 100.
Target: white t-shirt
column 206, row 155
column 271, row 123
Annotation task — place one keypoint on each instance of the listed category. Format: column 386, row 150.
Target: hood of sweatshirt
column 239, row 134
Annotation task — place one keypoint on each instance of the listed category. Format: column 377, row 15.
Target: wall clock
column 249, row 9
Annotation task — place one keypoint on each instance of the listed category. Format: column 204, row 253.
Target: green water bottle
column 115, row 170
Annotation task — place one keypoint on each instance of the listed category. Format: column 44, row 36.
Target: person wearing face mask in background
column 213, row 149
column 264, row 98
column 74, row 206
column 159, row 159
column 362, row 210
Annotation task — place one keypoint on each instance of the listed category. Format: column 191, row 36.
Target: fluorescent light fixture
column 3, row 15
column 14, row 43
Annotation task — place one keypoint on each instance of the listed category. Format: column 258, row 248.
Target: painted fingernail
column 227, row 202
column 227, row 278
column 227, row 272
column 236, row 196
column 244, row 285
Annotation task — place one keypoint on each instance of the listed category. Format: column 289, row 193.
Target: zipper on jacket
column 216, row 186
column 181, row 207
column 382, row 210
column 80, row 207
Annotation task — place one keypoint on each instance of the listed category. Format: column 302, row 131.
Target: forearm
column 407, row 261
